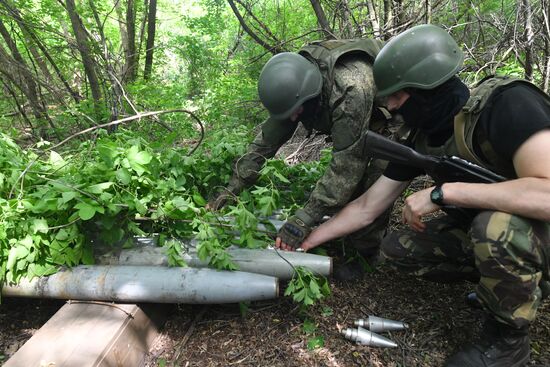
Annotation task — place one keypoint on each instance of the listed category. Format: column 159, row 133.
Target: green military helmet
column 422, row 57
column 286, row 82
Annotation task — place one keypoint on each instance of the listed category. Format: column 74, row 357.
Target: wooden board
column 93, row 334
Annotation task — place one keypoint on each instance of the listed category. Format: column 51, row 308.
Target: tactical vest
column 466, row 135
column 325, row 54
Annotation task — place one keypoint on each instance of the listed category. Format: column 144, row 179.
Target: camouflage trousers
column 506, row 254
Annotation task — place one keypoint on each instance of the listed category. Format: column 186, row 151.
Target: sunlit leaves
column 306, row 287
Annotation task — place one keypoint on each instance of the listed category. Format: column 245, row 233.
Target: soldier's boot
column 472, row 300
column 362, row 251
column 354, row 267
column 499, row 346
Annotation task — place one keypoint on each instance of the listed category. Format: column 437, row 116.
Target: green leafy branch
column 306, row 288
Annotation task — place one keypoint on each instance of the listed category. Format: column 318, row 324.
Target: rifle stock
column 378, row 146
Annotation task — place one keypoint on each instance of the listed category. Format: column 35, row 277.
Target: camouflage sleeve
column 273, row 134
column 351, row 104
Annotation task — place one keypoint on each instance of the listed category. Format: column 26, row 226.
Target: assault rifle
column 441, row 169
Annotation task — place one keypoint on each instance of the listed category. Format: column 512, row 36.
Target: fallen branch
column 138, row 116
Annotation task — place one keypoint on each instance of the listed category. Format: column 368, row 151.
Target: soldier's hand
column 282, row 245
column 416, row 206
column 292, row 234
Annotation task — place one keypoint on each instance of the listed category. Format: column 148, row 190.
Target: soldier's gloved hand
column 293, row 232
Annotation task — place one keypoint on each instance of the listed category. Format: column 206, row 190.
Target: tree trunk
column 141, row 35
column 85, row 54
column 150, row 45
column 428, row 11
column 528, row 37
column 131, row 56
column 376, row 31
column 322, row 19
column 388, row 15
column 123, row 32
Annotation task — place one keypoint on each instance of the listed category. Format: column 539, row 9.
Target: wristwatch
column 437, row 195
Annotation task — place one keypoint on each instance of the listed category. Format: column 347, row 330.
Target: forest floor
column 271, row 333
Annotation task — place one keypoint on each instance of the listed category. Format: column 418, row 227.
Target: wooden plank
column 93, row 334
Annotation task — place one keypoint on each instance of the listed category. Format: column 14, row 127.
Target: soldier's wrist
column 305, row 217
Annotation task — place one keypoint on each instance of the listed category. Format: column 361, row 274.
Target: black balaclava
column 432, row 110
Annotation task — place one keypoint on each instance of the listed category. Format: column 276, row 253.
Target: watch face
column 437, row 195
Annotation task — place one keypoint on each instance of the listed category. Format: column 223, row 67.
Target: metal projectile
column 379, row 324
column 366, row 337
column 275, row 263
column 148, row 284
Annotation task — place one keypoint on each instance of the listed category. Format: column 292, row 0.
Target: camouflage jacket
column 344, row 113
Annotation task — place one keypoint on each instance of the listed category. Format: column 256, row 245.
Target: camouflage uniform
column 507, row 253
column 344, row 114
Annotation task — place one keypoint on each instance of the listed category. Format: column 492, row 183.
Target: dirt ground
column 272, row 333
column 20, row 319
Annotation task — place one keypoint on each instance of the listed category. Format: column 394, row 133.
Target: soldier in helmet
column 503, row 124
column 328, row 87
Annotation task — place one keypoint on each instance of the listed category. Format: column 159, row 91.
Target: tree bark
column 373, row 19
column 388, row 14
column 528, row 37
column 150, row 45
column 322, row 19
column 428, row 10
column 85, row 54
column 131, row 56
column 141, row 35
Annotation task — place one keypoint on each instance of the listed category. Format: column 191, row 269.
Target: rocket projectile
column 270, row 262
column 379, row 324
column 366, row 337
column 148, row 284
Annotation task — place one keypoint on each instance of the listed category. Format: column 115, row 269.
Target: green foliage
column 309, row 327
column 315, row 341
column 57, row 208
column 174, row 251
column 244, row 308
column 327, row 311
column 306, row 288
